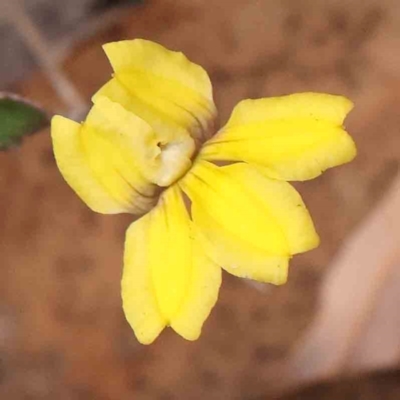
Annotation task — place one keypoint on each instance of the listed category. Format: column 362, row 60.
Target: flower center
column 173, row 160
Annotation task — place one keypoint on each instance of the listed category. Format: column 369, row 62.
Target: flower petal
column 159, row 158
column 320, row 106
column 138, row 292
column 201, row 296
column 166, row 281
column 293, row 137
column 281, row 200
column 72, row 160
column 161, row 86
column 242, row 231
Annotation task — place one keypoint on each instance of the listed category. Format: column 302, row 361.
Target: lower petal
column 281, row 200
column 201, row 297
column 238, row 231
column 166, row 280
column 237, row 256
column 138, row 293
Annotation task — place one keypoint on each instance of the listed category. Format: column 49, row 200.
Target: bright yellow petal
column 294, row 137
column 201, row 296
column 114, row 91
column 319, row 106
column 138, row 291
column 161, row 86
column 166, row 280
column 280, row 200
column 240, row 232
column 172, row 258
column 113, row 162
column 159, row 158
column 73, row 163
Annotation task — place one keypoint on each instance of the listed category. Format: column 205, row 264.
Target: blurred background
column 334, row 328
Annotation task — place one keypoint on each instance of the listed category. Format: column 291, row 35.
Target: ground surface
column 62, row 331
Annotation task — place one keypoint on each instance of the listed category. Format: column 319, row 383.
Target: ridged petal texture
column 167, row 279
column 141, row 132
column 98, row 169
column 136, row 152
column 294, row 137
column 249, row 224
column 160, row 86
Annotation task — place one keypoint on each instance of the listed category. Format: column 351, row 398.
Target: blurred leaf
column 18, row 118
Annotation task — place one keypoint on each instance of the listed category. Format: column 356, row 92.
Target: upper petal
column 249, row 224
column 161, row 86
column 167, row 280
column 319, row 106
column 160, row 158
column 293, row 137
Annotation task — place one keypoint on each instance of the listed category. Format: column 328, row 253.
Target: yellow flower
column 208, row 202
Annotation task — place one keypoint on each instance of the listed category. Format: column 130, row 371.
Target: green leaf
column 18, row 118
